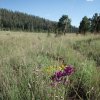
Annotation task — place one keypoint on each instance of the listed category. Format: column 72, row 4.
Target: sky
column 54, row 9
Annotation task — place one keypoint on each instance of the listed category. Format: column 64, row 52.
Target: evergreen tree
column 95, row 23
column 64, row 24
column 84, row 25
column 10, row 20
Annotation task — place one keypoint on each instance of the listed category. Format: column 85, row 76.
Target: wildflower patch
column 62, row 76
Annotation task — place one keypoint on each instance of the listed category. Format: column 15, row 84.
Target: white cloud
column 89, row 0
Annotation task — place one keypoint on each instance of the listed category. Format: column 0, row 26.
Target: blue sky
column 54, row 9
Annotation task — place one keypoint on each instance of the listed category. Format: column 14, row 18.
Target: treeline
column 10, row 20
column 64, row 26
column 90, row 24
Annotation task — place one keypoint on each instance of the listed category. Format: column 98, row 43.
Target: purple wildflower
column 68, row 70
column 57, row 76
column 62, row 76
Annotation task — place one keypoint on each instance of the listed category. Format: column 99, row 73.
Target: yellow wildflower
column 62, row 66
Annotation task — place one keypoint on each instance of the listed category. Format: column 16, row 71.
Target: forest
column 90, row 24
column 10, row 20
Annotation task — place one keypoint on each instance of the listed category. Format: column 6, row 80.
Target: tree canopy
column 64, row 24
column 84, row 25
column 10, row 20
column 90, row 24
column 95, row 23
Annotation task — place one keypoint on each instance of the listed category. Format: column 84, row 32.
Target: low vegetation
column 27, row 62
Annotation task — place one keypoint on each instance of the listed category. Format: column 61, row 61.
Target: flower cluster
column 51, row 69
column 60, row 75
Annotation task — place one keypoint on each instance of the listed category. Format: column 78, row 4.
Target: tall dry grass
column 24, row 55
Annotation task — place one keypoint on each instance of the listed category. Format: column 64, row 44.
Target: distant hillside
column 10, row 20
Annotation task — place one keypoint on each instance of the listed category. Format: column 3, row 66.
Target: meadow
column 28, row 60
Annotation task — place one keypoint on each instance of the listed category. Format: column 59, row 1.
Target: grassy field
column 27, row 61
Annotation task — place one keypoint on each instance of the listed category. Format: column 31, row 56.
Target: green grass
column 23, row 56
column 90, row 48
